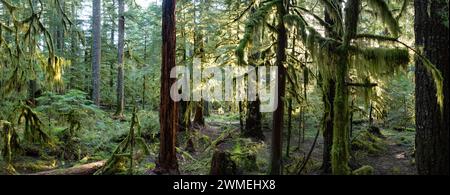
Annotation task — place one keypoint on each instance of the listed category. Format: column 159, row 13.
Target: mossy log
column 87, row 169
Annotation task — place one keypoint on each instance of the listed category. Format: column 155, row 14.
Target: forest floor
column 393, row 154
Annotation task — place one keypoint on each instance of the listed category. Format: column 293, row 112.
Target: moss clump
column 365, row 170
column 370, row 143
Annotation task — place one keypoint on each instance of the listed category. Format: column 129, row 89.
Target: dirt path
column 397, row 160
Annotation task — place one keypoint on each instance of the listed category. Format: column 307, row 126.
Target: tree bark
column 278, row 115
column 329, row 85
column 167, row 162
column 288, row 139
column 96, row 50
column 253, row 124
column 432, row 139
column 340, row 154
column 120, row 69
column 112, row 63
column 328, row 125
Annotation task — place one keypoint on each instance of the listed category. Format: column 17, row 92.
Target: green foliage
column 126, row 151
column 149, row 123
column 21, row 32
column 72, row 105
column 245, row 153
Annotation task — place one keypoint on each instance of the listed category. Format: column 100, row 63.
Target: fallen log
column 87, row 169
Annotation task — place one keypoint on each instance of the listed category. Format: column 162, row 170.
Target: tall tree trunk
column 199, row 119
column 329, row 86
column 185, row 115
column 340, row 154
column 144, row 77
column 32, row 88
column 96, row 50
column 328, row 119
column 112, row 63
column 167, row 162
column 59, row 32
column 432, row 139
column 371, row 115
column 253, row 124
column 288, row 139
column 340, row 149
column 199, row 52
column 120, row 69
column 278, row 115
column 73, row 48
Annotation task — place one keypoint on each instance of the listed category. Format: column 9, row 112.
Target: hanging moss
column 10, row 140
column 380, row 61
column 334, row 12
column 298, row 22
column 382, row 9
column 33, row 132
column 256, row 20
column 438, row 80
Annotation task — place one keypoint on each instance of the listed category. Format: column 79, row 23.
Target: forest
column 224, row 87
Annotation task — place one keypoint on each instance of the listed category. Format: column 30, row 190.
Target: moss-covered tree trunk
column 340, row 154
column 167, row 162
column 329, row 88
column 199, row 50
column 340, row 150
column 278, row 115
column 328, row 121
column 432, row 139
